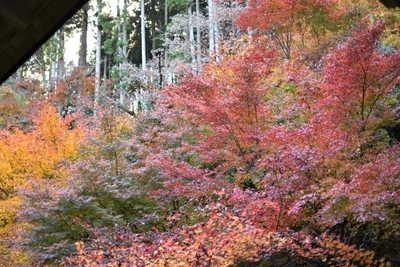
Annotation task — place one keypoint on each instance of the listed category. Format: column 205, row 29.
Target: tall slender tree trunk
column 119, row 37
column 97, row 93
column 53, row 66
column 105, row 68
column 143, row 33
column 42, row 65
column 153, row 24
column 138, row 93
column 120, row 85
column 198, row 33
column 191, row 34
column 124, row 30
column 166, row 37
column 211, row 42
column 83, row 38
column 216, row 35
column 105, row 72
column 213, row 30
column 61, row 51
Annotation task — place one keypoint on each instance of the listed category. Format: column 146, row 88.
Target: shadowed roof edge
column 62, row 16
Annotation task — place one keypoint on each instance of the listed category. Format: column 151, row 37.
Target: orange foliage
column 39, row 152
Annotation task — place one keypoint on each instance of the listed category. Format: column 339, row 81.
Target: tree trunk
column 211, row 28
column 105, row 72
column 166, row 36
column 53, row 66
column 97, row 93
column 42, row 65
column 83, row 40
column 119, row 37
column 124, row 30
column 120, row 54
column 191, row 34
column 153, row 24
column 198, row 33
column 61, row 51
column 216, row 35
column 143, row 34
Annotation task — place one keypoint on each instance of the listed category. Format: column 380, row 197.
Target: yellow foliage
column 38, row 154
column 8, row 229
column 53, row 144
column 13, row 162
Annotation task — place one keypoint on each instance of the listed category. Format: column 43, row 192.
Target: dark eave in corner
column 26, row 24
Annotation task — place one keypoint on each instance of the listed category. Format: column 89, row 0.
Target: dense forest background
column 206, row 133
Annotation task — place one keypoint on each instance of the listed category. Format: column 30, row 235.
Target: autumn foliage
column 291, row 23
column 281, row 164
column 42, row 153
column 257, row 160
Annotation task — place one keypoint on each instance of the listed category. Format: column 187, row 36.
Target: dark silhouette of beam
column 391, row 3
column 27, row 24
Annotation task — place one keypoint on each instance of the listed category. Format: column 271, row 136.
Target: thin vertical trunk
column 143, row 33
column 120, row 54
column 105, row 67
column 191, row 34
column 43, row 69
column 105, row 73
column 166, row 36
column 83, row 38
column 153, row 24
column 53, row 66
column 61, row 51
column 198, row 32
column 41, row 65
column 122, row 95
column 124, row 30
column 119, row 48
column 160, row 81
column 138, row 92
column 211, row 27
column 216, row 35
column 97, row 94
